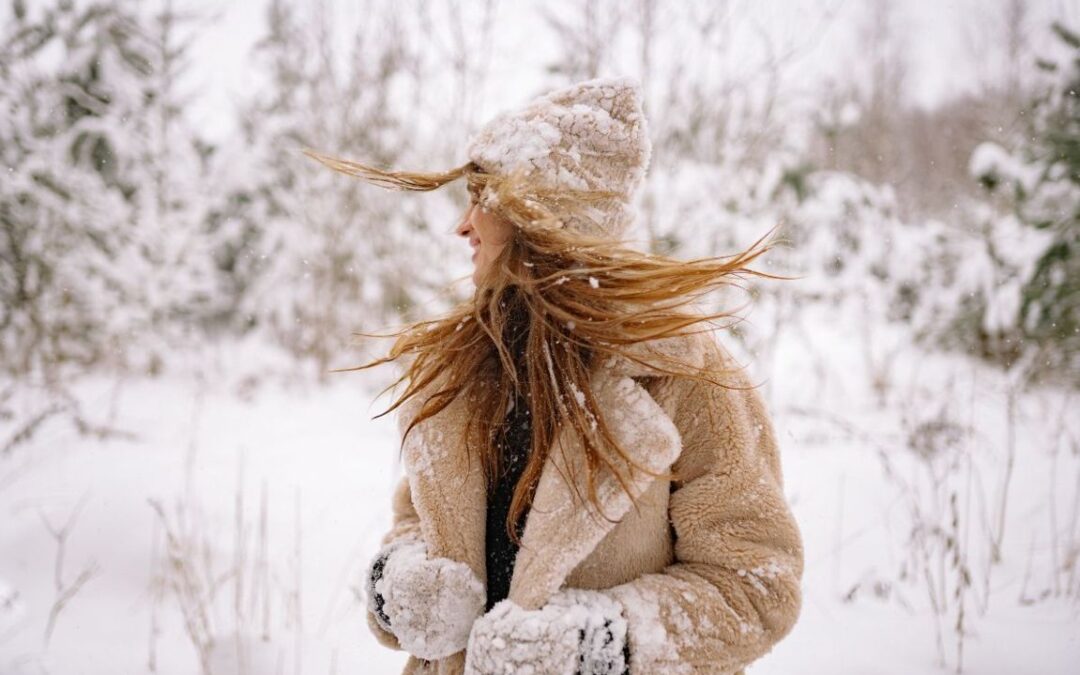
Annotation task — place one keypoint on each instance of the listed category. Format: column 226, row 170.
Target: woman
column 592, row 485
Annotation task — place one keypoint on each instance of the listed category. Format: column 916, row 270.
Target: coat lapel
column 562, row 528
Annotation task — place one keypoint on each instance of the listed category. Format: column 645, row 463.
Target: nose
column 465, row 227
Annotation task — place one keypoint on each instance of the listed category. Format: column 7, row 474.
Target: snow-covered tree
column 1039, row 181
column 98, row 204
column 313, row 255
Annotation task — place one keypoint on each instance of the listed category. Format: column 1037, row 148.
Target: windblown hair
column 553, row 305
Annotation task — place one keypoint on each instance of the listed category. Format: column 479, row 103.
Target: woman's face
column 488, row 235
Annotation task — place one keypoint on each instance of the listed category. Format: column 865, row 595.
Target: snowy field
column 232, row 522
column 920, row 158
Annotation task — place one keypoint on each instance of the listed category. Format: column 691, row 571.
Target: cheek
column 494, row 234
column 492, row 229
column 489, row 252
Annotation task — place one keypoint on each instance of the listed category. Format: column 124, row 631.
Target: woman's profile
column 592, row 483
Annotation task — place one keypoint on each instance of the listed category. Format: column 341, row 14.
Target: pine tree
column 65, row 196
column 1040, row 181
column 1050, row 311
column 98, row 210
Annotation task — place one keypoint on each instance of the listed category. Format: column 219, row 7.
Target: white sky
column 944, row 38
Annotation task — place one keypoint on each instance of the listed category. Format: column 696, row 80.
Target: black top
column 501, row 551
column 514, row 446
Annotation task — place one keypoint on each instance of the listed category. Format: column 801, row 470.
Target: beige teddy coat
column 707, row 567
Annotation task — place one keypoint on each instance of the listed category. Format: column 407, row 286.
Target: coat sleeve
column 405, row 525
column 733, row 589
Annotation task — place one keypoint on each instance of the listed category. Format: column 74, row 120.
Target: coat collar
column 561, row 529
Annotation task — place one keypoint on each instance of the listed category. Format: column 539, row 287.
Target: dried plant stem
column 998, row 533
column 156, row 587
column 193, row 440
column 191, row 593
column 239, row 565
column 838, row 541
column 963, row 579
column 1024, row 599
column 65, row 596
column 1072, row 555
column 260, row 579
column 64, row 592
column 298, row 581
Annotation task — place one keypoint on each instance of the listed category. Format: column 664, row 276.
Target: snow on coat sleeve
column 734, row 588
column 405, row 527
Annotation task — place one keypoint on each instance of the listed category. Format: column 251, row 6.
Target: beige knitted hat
column 572, row 158
column 589, row 136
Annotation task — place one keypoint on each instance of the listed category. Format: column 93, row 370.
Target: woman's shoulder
column 680, row 356
column 695, row 374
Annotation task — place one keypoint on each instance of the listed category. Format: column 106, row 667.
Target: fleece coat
column 706, row 567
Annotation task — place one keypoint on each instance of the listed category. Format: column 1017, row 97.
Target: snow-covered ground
column 897, row 488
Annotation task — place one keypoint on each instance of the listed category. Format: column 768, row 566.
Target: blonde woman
column 592, row 484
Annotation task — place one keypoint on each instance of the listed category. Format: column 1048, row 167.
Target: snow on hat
column 589, row 136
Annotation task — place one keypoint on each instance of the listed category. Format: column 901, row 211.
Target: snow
column 198, row 448
column 227, row 522
column 862, row 502
column 12, row 608
column 648, row 632
column 572, row 626
column 518, row 143
column 431, row 602
column 851, row 483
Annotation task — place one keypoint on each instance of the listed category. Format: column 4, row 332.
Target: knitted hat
column 588, row 136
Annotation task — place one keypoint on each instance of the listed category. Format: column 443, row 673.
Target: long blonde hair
column 574, row 300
